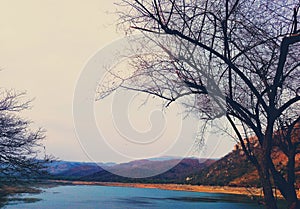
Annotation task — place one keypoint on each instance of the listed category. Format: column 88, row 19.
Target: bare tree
column 236, row 59
column 21, row 151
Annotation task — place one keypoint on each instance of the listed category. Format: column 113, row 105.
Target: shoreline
column 251, row 192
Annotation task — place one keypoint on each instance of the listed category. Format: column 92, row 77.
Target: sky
column 45, row 47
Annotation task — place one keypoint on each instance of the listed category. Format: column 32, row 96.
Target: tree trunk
column 294, row 205
column 267, row 188
column 286, row 188
column 265, row 165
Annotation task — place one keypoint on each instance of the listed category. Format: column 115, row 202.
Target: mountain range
column 98, row 171
column 233, row 169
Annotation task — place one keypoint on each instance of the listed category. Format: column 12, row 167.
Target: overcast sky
column 44, row 46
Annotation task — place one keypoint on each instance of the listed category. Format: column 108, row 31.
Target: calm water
column 90, row 197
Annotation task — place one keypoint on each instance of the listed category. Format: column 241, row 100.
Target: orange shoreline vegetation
column 251, row 191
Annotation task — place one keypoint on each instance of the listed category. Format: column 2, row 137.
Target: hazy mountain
column 178, row 174
column 75, row 169
column 93, row 172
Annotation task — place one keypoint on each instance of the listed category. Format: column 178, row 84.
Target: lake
column 108, row 197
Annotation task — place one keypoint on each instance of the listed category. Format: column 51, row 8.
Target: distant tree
column 235, row 59
column 21, row 151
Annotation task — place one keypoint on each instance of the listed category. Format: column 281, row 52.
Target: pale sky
column 44, row 46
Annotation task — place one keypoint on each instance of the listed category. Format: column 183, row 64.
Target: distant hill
column 227, row 171
column 181, row 173
column 73, row 170
column 236, row 170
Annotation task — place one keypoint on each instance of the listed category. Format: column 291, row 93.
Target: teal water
column 91, row 197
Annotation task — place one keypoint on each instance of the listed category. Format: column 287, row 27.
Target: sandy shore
column 179, row 187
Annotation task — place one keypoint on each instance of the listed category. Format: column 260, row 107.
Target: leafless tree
column 236, row 59
column 21, row 152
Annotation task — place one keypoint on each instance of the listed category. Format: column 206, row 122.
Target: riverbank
column 8, row 192
column 251, row 192
column 65, row 196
